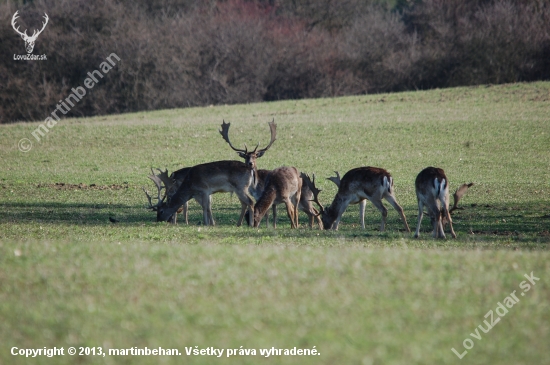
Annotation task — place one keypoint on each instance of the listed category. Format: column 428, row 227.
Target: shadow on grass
column 530, row 220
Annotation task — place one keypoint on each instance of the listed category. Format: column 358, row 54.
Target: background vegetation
column 70, row 277
column 182, row 53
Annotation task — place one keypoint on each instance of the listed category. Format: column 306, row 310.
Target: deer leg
column 297, row 201
column 290, row 212
column 435, row 215
column 186, row 212
column 450, row 221
column 274, row 208
column 378, row 204
column 210, row 215
column 362, row 205
column 420, row 215
column 206, row 208
column 447, row 215
column 396, row 206
column 246, row 202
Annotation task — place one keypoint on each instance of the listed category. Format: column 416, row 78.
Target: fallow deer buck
column 250, row 157
column 206, row 179
column 170, row 184
column 432, row 190
column 283, row 185
column 362, row 203
column 370, row 183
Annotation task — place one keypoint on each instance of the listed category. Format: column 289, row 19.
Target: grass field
column 69, row 277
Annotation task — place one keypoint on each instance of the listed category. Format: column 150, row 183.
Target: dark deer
column 283, row 185
column 206, row 179
column 432, row 191
column 362, row 203
column 370, row 183
column 170, row 184
column 250, row 157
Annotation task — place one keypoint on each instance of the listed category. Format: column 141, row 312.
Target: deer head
column 250, row 156
column 29, row 41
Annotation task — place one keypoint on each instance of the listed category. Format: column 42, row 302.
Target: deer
column 305, row 203
column 283, row 185
column 362, row 203
column 170, row 184
column 250, row 157
column 29, row 41
column 206, row 179
column 360, row 183
column 432, row 191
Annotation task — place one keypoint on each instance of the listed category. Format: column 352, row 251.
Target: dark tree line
column 180, row 53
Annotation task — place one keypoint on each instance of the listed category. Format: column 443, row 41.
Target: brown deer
column 370, row 183
column 206, row 179
column 362, row 203
column 283, row 185
column 432, row 190
column 305, row 201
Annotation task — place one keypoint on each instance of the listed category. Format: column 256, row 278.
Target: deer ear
column 260, row 154
column 242, row 154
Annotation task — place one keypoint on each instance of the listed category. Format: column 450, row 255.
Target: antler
column 36, row 33
column 159, row 184
column 459, row 193
column 225, row 134
column 273, row 129
column 314, row 190
column 335, row 179
column 13, row 19
column 166, row 180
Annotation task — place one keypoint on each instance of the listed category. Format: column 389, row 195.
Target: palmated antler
column 459, row 193
column 160, row 185
column 314, row 190
column 167, row 180
column 335, row 179
column 225, row 134
column 273, row 129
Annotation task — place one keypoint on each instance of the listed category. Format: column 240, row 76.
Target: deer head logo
column 29, row 41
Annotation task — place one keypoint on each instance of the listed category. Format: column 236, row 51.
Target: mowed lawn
column 70, row 277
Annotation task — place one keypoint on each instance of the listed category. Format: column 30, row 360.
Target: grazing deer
column 362, row 203
column 370, row 183
column 206, row 179
column 170, row 184
column 283, row 185
column 29, row 40
column 432, row 190
column 305, row 203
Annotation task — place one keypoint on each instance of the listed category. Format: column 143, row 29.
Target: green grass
column 69, row 277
